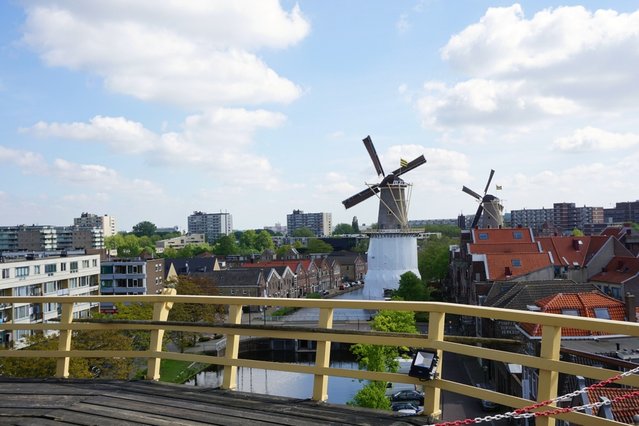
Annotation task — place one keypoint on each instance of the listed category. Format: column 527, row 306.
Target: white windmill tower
column 392, row 250
column 490, row 208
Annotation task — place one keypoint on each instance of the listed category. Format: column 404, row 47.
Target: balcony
column 545, row 409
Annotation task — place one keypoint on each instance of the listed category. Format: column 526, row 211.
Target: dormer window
column 518, row 235
column 573, row 312
column 483, row 235
column 602, row 313
column 516, row 262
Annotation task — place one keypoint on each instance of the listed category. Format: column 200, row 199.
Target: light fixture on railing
column 424, row 365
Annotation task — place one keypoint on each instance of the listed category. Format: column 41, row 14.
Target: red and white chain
column 525, row 412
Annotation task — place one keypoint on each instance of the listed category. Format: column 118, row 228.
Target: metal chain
column 524, row 413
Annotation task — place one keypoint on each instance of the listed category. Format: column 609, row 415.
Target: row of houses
column 591, row 276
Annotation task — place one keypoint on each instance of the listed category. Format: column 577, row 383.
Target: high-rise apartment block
column 320, row 223
column 89, row 220
column 50, row 238
column 563, row 216
column 212, row 225
column 48, row 274
column 623, row 212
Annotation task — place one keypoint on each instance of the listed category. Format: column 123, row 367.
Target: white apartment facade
column 212, row 225
column 44, row 274
column 179, row 242
column 90, row 220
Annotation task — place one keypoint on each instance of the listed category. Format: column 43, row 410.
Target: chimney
column 631, row 308
column 508, row 273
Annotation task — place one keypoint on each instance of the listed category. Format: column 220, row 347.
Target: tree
column 303, row 232
column 434, row 258
column 264, row 241
column 355, row 225
column 247, row 242
column 381, row 358
column 343, row 228
column 412, row 288
column 144, row 228
column 361, row 246
column 316, row 245
column 576, row 232
column 193, row 312
column 226, row 245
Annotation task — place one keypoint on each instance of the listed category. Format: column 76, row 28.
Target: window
column 483, row 236
column 21, row 291
column 22, row 271
column 51, row 287
column 106, row 269
column 21, row 312
column 94, row 263
column 516, row 262
column 63, row 266
column 573, row 312
column 50, row 268
column 73, row 283
column 602, row 313
column 106, row 283
column 85, row 264
column 517, row 235
column 36, row 269
column 5, row 273
column 73, row 266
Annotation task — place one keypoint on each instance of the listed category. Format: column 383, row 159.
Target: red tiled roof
column 503, row 248
column 502, row 235
column 568, row 251
column 498, row 264
column 585, row 305
column 612, row 231
column 618, row 270
column 275, row 263
column 623, row 409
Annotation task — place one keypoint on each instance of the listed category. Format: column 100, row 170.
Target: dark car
column 408, row 395
column 405, row 408
column 485, row 404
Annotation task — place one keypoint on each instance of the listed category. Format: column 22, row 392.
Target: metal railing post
column 160, row 313
column 323, row 357
column 232, row 349
column 64, row 342
column 432, row 395
column 548, row 379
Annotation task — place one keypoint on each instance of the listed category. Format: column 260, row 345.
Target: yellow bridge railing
column 548, row 363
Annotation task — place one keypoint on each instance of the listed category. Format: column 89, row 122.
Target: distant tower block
column 392, row 250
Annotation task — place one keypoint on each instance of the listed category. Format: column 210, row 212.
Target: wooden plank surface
column 46, row 402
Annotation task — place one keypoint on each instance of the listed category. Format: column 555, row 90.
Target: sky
column 151, row 110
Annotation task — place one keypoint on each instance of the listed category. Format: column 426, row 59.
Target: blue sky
column 150, row 110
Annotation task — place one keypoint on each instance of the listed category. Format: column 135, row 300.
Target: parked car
column 405, row 408
column 485, row 404
column 408, row 395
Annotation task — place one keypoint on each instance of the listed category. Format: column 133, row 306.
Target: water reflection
column 312, row 314
column 282, row 383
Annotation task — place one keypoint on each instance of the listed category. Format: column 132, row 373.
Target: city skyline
column 152, row 111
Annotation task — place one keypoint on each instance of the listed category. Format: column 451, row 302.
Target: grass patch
column 284, row 311
column 173, row 371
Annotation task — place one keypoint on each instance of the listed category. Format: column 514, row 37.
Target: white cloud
column 403, row 24
column 190, row 53
column 593, row 139
column 566, row 61
column 29, row 162
column 120, row 134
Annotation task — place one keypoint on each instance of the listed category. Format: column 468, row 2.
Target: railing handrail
column 548, row 363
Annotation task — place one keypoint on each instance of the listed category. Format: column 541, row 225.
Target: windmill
column 392, row 249
column 393, row 206
column 490, row 207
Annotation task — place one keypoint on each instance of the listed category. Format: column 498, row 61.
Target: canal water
column 295, row 385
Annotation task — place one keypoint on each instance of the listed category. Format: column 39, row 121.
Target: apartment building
column 49, row 274
column 563, row 217
column 320, row 223
column 90, row 220
column 44, row 238
column 623, row 212
column 179, row 242
column 212, row 225
column 130, row 277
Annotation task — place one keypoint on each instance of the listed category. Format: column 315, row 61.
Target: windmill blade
column 410, row 166
column 368, row 143
column 471, row 193
column 480, row 209
column 490, row 178
column 361, row 196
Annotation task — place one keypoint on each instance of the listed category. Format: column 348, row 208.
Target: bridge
column 545, row 409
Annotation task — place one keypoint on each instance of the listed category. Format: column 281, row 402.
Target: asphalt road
column 457, row 406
